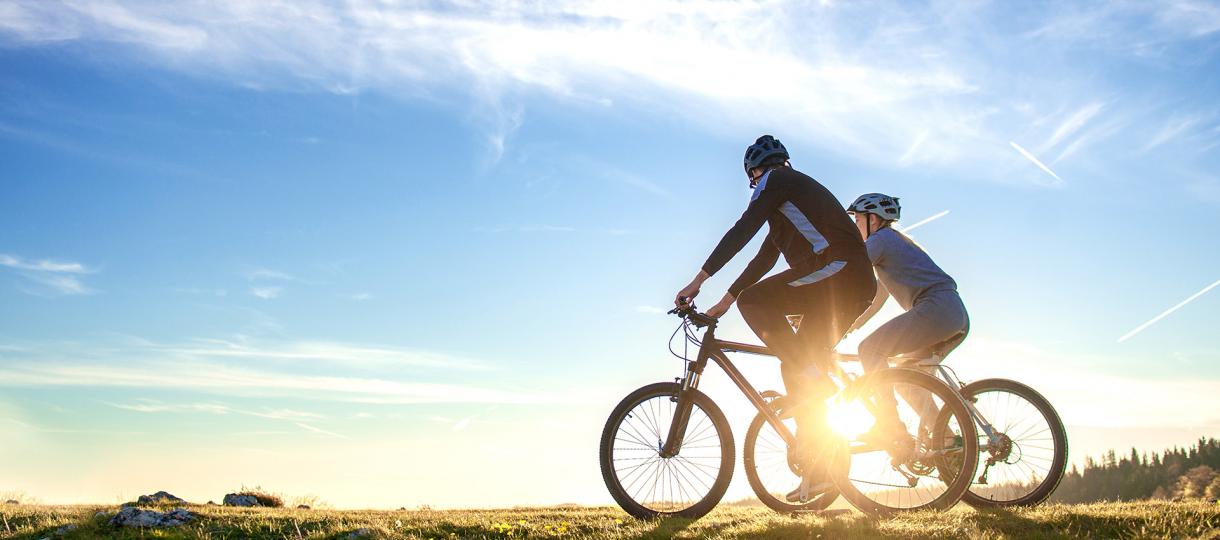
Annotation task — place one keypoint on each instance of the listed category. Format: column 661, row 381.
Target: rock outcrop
column 134, row 517
column 234, row 499
column 160, row 497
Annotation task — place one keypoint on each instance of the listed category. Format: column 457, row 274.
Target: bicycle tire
column 749, row 455
column 977, row 496
column 845, row 475
column 666, row 392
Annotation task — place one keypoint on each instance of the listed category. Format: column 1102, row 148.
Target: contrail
column 1031, row 157
column 924, row 221
column 320, row 431
column 1168, row 311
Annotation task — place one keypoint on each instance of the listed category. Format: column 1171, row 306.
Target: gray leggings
column 936, row 317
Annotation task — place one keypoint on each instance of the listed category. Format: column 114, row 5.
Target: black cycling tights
column 827, row 307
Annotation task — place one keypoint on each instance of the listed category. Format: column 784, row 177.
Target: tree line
column 1177, row 473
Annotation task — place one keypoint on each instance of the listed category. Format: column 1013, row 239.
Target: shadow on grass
column 667, row 527
column 1073, row 523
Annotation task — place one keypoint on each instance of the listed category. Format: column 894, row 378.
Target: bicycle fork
column 677, row 427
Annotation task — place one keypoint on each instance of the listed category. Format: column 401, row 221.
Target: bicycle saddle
column 932, row 355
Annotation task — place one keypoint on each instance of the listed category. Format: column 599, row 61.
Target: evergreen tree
column 1176, row 472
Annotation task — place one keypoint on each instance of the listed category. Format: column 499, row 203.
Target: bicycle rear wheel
column 917, row 471
column 1025, row 463
column 770, row 467
column 648, row 485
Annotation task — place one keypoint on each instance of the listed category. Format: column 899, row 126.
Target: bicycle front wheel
column 649, row 485
column 927, row 468
column 1025, row 460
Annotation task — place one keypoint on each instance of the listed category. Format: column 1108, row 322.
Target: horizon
column 397, row 256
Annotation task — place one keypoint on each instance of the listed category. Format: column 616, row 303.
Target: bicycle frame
column 715, row 349
column 950, row 379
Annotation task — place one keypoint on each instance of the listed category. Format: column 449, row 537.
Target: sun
column 848, row 418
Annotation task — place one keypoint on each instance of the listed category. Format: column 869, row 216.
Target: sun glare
column 849, row 418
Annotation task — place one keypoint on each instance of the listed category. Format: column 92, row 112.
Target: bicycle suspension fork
column 688, row 384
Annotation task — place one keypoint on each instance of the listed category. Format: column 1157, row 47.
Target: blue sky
column 383, row 243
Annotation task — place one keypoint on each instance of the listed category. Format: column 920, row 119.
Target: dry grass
column 270, row 500
column 1112, row 520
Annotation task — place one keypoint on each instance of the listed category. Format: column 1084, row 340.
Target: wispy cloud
column 339, row 353
column 146, row 406
column 527, row 229
column 154, row 406
column 261, row 280
column 1094, row 134
column 266, row 293
column 221, row 379
column 1035, row 161
column 888, row 98
column 268, row 274
column 43, row 265
column 1072, row 124
column 320, row 431
column 1166, row 313
column 1143, row 28
column 911, row 155
column 1172, row 129
column 390, row 375
column 636, row 181
column 545, row 228
column 202, row 291
column 49, row 277
column 826, row 83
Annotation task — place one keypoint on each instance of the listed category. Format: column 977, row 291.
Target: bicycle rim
column 1024, row 465
column 928, row 468
column 647, row 484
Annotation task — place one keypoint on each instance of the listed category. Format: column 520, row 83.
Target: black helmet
column 765, row 147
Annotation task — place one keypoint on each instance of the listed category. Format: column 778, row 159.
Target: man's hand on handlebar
column 686, row 295
column 687, row 310
column 721, row 307
column 691, row 290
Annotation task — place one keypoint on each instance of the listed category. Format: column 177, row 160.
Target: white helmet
column 882, row 205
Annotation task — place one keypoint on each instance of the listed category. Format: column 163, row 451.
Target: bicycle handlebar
column 688, row 311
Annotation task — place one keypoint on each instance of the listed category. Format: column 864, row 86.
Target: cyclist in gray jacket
column 935, row 314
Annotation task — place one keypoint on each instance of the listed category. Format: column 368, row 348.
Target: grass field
column 1112, row 520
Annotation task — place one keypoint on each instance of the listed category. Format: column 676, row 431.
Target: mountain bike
column 667, row 449
column 1022, row 441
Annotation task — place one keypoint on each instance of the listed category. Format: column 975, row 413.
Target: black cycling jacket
column 807, row 224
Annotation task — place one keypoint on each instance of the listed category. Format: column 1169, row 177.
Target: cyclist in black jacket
column 829, row 283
